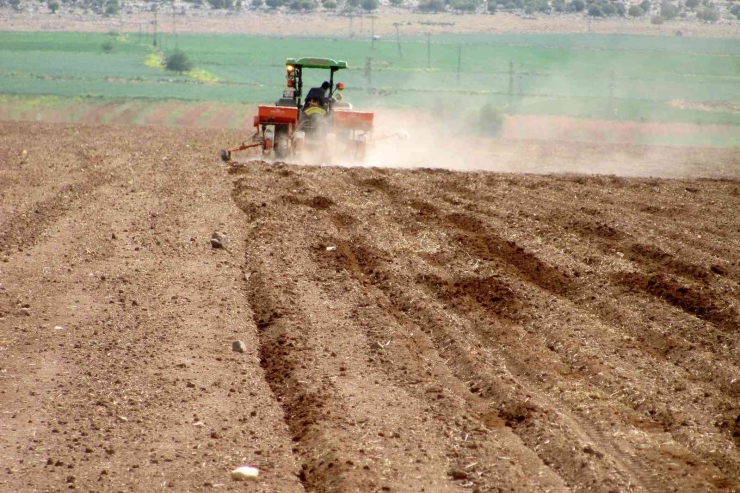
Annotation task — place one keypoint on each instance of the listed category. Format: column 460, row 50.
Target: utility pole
column 519, row 81
column 429, row 50
column 459, row 63
column 155, row 26
column 398, row 40
column 369, row 74
column 511, row 78
column 174, row 33
column 611, row 91
column 372, row 33
column 351, row 27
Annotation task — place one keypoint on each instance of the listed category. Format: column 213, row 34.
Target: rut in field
column 475, row 297
column 400, row 330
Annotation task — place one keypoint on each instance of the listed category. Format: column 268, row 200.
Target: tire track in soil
column 698, row 300
column 527, row 264
column 515, row 410
column 23, row 229
column 318, row 416
column 718, row 376
column 363, row 264
column 682, row 353
column 535, row 271
column 280, row 357
column 693, row 301
column 464, row 469
column 307, row 400
column 613, row 241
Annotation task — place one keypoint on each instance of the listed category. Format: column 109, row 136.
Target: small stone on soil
column 245, row 473
column 217, row 241
column 239, row 347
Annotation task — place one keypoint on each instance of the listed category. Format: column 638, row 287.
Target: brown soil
column 516, row 127
column 406, row 330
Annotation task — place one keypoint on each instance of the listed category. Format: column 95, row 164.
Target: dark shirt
column 318, row 94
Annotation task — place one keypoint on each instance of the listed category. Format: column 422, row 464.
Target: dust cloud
column 454, row 145
column 431, row 143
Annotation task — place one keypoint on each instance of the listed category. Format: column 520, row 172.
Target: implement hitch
column 247, row 144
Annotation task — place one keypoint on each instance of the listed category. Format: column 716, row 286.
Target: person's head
column 325, row 86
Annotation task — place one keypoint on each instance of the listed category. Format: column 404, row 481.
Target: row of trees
column 102, row 7
column 705, row 10
column 309, row 5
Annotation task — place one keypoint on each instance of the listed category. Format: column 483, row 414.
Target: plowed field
column 405, row 330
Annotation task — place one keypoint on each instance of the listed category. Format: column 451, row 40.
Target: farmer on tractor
column 317, row 98
column 321, row 124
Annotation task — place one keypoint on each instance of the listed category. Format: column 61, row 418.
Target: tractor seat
column 343, row 105
column 285, row 102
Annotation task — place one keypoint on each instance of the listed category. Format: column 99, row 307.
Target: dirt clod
column 239, row 346
column 217, row 241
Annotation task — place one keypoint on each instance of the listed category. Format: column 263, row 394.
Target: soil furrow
column 351, row 329
column 609, row 312
column 716, row 371
column 24, row 228
column 466, row 224
column 423, row 354
column 305, row 398
column 514, row 410
column 485, row 296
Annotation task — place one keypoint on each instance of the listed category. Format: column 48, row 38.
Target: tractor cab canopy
column 310, row 62
column 294, row 68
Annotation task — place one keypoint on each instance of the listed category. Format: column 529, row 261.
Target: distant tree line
column 659, row 10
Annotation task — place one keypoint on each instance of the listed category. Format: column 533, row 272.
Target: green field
column 590, row 76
